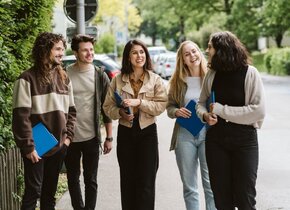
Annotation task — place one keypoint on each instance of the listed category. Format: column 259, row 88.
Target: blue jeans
column 190, row 152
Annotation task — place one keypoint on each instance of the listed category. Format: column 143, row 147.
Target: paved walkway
column 168, row 186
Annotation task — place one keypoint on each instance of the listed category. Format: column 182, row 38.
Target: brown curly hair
column 41, row 56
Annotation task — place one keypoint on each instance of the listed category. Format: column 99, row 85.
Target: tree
column 275, row 19
column 118, row 14
column 244, row 21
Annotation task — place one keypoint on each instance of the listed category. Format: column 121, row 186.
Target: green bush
column 20, row 23
column 7, row 76
column 258, row 61
column 277, row 61
column 105, row 44
column 267, row 61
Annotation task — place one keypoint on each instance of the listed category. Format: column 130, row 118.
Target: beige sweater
column 252, row 113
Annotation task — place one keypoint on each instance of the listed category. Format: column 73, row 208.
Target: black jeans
column 41, row 181
column 89, row 151
column 137, row 152
column 232, row 158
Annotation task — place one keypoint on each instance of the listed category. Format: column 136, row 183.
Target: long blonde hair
column 177, row 82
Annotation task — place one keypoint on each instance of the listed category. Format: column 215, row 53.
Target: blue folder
column 43, row 139
column 192, row 124
column 119, row 102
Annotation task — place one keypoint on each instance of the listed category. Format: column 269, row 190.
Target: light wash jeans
column 190, row 152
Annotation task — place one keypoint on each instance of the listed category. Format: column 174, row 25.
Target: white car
column 168, row 66
column 156, row 50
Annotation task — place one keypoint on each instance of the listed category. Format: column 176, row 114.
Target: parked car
column 101, row 60
column 168, row 66
column 159, row 61
column 156, row 50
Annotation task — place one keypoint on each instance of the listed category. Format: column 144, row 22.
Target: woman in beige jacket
column 144, row 93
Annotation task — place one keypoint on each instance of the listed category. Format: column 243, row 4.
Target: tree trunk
column 278, row 39
column 182, row 33
column 153, row 39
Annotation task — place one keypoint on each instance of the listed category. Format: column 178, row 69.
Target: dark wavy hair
column 230, row 53
column 41, row 56
column 126, row 64
column 80, row 38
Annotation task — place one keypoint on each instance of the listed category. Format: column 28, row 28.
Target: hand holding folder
column 119, row 102
column 192, row 124
column 43, row 139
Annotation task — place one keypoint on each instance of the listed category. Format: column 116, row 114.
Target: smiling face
column 191, row 55
column 137, row 56
column 57, row 53
column 210, row 52
column 85, row 53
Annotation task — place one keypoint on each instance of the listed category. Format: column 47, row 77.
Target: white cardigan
column 252, row 113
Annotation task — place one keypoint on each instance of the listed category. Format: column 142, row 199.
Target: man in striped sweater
column 43, row 94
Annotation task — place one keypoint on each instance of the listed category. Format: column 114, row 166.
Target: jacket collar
column 127, row 87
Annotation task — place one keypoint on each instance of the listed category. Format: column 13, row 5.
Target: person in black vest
column 238, row 109
column 90, row 85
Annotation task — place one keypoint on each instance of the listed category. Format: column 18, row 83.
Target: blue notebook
column 192, row 124
column 211, row 99
column 119, row 102
column 43, row 139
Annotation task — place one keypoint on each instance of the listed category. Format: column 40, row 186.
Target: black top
column 229, row 87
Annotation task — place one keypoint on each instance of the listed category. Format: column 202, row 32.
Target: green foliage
column 120, row 49
column 201, row 37
column 7, row 76
column 20, row 23
column 277, row 61
column 62, row 186
column 20, row 185
column 179, row 19
column 244, row 21
column 105, row 44
column 275, row 19
column 258, row 60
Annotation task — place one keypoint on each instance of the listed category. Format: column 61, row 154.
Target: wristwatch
column 110, row 139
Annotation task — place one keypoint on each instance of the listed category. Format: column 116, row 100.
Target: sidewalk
column 168, row 183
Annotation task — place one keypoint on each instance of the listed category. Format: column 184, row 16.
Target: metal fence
column 10, row 174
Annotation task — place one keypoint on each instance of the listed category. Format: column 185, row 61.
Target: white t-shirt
column 193, row 89
column 83, row 83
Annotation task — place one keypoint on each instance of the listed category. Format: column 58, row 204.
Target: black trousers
column 137, row 152
column 89, row 151
column 41, row 181
column 232, row 158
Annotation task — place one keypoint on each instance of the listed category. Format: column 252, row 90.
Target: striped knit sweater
column 51, row 104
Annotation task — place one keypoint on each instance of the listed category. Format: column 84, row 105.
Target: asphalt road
column 273, row 184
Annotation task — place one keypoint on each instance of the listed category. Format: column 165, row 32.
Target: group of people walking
column 73, row 103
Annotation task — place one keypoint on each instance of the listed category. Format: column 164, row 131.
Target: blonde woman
column 185, row 85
